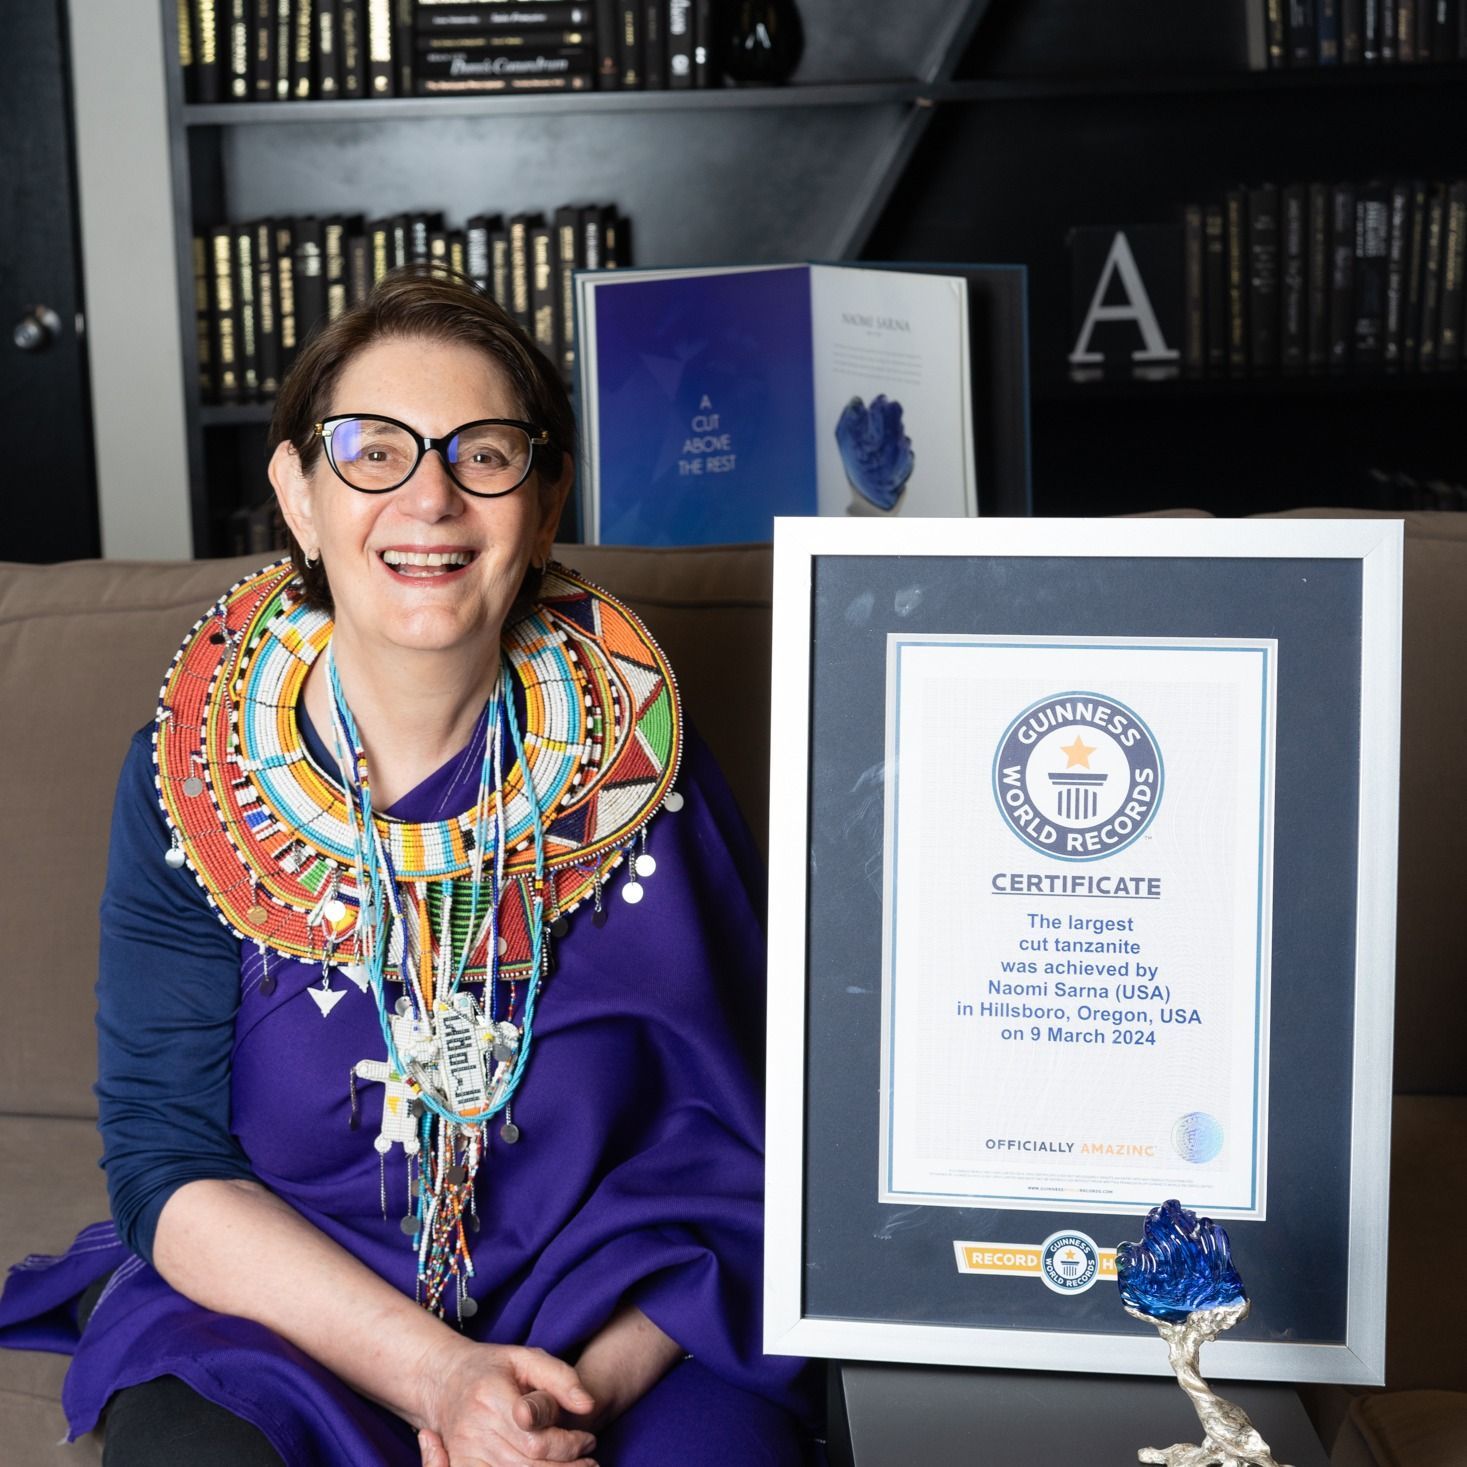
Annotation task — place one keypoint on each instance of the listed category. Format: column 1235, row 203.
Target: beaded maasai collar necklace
column 304, row 866
column 269, row 838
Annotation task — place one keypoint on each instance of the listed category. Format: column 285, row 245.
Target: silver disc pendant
column 173, row 857
column 632, row 892
column 673, row 802
column 509, row 1133
column 193, row 786
column 267, row 984
column 559, row 927
column 467, row 1308
column 598, row 918
column 457, row 1175
column 409, row 1225
column 645, row 865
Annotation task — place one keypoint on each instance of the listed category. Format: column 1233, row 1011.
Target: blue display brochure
column 714, row 399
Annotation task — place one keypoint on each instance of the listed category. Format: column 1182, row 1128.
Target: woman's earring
column 313, row 557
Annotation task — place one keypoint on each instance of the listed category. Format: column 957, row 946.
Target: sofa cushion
column 1404, row 1429
column 53, row 1189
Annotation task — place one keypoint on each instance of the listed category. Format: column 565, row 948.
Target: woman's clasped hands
column 500, row 1406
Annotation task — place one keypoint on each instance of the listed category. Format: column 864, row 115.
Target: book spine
column 244, row 285
column 1388, row 30
column 404, row 73
column 499, row 286
column 1263, row 278
column 1397, row 252
column 353, row 30
column 629, row 44
column 1193, row 351
column 358, row 263
column 379, row 48
column 552, row 81
column 1425, row 21
column 654, row 45
column 608, row 50
column 267, row 324
column 399, row 240
column 519, row 269
column 1444, row 32
column 476, row 251
column 310, row 278
column 591, row 236
column 333, row 247
column 557, row 15
column 438, row 251
column 285, row 293
column 262, row 51
column 458, row 252
column 616, row 249
column 543, row 290
column 420, row 228
column 1370, row 46
column 1431, row 278
column 1352, row 31
column 1275, row 34
column 1372, row 244
column 1406, row 27
column 680, row 43
column 1235, row 206
column 1317, row 352
column 705, row 66
column 237, row 49
column 1415, row 265
column 328, row 50
column 283, row 48
column 1215, row 289
column 202, row 318
column 379, row 248
column 303, row 28
column 1329, row 32
column 568, row 260
column 1303, row 33
column 186, row 62
column 480, row 43
column 1342, row 275
column 222, row 324
column 1454, row 237
column 1293, row 335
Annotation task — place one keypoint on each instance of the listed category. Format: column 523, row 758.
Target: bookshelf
column 1062, row 114
column 704, row 176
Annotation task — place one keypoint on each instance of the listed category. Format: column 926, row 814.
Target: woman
column 429, row 950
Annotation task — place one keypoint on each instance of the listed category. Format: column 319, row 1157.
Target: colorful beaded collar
column 266, row 834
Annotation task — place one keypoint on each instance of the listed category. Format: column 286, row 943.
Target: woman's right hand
column 497, row 1406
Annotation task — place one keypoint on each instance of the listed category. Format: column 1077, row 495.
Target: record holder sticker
column 1066, row 1262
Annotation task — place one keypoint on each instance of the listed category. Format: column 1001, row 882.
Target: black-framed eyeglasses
column 485, row 458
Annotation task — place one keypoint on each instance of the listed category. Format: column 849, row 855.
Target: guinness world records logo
column 1069, row 1262
column 1078, row 776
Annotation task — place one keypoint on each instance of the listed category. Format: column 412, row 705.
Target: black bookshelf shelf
column 1318, row 79
column 235, row 414
column 521, row 104
column 1195, row 389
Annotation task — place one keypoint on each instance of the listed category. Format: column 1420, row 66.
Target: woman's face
column 434, row 387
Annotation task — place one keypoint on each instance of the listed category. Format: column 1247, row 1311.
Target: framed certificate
column 1082, row 898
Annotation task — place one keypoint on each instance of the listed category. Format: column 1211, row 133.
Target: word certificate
column 1076, row 922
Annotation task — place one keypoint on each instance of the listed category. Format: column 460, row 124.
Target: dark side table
column 932, row 1416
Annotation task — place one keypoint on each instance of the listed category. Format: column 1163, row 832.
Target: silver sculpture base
column 1229, row 1439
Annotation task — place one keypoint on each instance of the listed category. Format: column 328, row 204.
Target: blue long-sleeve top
column 164, row 1046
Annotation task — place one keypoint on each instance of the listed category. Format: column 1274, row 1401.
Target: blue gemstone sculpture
column 874, row 450
column 1181, row 1279
column 1184, row 1263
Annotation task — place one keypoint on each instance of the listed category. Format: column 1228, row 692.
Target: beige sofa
column 82, row 651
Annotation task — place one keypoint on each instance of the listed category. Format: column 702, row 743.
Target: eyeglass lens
column 488, row 458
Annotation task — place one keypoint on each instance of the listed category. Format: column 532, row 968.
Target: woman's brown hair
column 432, row 305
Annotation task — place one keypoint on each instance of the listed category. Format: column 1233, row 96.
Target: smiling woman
column 391, row 790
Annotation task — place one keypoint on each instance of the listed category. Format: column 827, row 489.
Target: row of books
column 1316, row 277
column 261, row 287
column 1307, row 33
column 303, row 50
